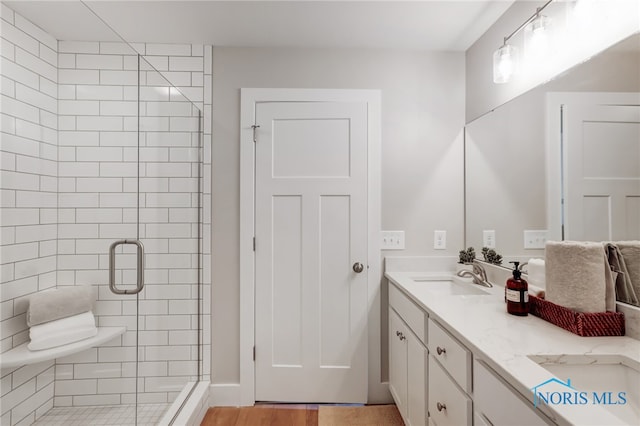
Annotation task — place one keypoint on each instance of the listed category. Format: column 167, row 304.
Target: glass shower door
column 97, row 206
column 169, row 182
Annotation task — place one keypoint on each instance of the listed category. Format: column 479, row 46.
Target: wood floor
column 262, row 415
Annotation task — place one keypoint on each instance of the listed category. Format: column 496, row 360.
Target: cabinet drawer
column 408, row 311
column 448, row 404
column 453, row 356
column 498, row 403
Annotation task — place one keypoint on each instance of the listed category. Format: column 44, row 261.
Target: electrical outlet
column 489, row 238
column 392, row 240
column 535, row 239
column 439, row 240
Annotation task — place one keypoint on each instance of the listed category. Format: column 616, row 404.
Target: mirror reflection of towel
column 631, row 252
column 625, row 291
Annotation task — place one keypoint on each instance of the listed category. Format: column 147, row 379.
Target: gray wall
column 422, row 168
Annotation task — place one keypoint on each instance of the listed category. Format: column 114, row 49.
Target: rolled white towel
column 575, row 275
column 62, row 302
column 535, row 273
column 63, row 331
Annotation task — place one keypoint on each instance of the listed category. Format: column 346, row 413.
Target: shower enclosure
column 104, row 185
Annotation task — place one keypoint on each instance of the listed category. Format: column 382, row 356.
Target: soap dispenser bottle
column 517, row 293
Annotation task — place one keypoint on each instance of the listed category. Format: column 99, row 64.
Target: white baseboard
column 224, row 395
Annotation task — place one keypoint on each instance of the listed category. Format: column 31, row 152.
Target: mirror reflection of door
column 601, row 144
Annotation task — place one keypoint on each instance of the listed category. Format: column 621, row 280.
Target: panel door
column 311, row 229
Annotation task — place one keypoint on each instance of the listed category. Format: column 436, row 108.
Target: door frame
column 249, row 97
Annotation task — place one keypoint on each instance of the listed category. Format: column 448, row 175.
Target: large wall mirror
column 561, row 161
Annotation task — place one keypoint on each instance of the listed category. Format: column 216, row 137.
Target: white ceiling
column 451, row 25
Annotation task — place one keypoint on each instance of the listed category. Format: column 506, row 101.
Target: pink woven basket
column 585, row 324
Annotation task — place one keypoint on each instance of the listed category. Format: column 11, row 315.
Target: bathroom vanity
column 457, row 358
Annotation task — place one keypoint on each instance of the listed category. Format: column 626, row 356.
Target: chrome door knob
column 358, row 267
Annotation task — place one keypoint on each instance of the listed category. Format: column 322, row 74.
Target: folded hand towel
column 62, row 302
column 631, row 253
column 575, row 275
column 63, row 331
column 624, row 288
column 75, row 322
column 65, row 338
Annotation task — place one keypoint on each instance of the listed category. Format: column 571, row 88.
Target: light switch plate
column 489, row 238
column 439, row 240
column 535, row 239
column 392, row 240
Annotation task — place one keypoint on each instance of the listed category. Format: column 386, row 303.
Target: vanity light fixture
column 506, row 58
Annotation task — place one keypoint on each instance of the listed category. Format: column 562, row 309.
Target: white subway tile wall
column 28, row 176
column 70, row 183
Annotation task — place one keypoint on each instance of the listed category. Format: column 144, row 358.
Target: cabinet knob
column 402, row 336
column 441, row 350
column 358, row 267
column 441, row 407
column 397, row 333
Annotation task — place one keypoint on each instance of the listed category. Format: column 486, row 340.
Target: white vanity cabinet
column 407, row 358
column 435, row 379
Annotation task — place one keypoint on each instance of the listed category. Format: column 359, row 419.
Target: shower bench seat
column 21, row 355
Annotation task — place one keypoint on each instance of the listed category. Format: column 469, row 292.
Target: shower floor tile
column 120, row 415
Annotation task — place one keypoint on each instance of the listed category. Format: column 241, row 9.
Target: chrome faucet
column 479, row 274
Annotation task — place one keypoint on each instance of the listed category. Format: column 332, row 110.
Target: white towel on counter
column 61, row 302
column 535, row 273
column 575, row 275
column 63, row 331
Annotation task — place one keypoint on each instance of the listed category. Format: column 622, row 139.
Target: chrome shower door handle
column 139, row 267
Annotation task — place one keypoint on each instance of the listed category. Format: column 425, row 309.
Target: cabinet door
column 398, row 361
column 417, row 357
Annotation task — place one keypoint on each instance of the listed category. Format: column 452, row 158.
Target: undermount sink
column 602, row 379
column 451, row 288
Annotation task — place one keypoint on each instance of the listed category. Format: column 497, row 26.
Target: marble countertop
column 505, row 342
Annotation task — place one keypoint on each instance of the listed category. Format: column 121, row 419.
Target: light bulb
column 585, row 12
column 537, row 38
column 505, row 63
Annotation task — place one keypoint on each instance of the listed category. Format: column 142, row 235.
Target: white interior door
column 602, row 151
column 311, row 228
